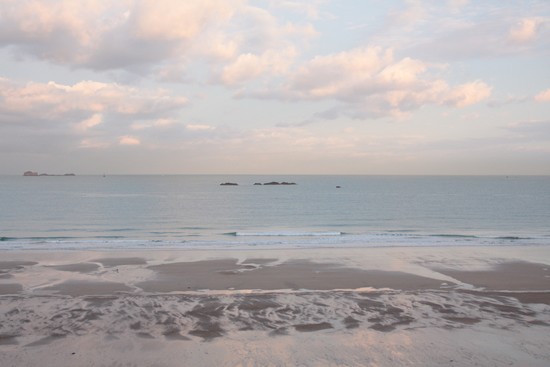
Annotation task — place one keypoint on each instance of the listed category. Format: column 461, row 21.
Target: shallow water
column 194, row 211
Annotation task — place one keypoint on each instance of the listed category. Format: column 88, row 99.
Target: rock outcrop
column 32, row 173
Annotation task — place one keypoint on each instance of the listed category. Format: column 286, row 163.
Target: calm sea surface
column 135, row 212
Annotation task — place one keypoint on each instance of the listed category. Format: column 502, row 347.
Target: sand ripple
column 181, row 317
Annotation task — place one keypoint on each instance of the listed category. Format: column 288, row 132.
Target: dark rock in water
column 279, row 183
column 31, row 173
column 338, row 187
column 229, row 184
column 258, row 184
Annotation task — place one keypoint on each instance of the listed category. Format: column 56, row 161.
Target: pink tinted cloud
column 373, row 81
column 543, row 96
column 129, row 140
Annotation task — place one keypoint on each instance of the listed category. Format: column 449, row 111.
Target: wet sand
column 354, row 307
column 513, row 275
column 294, row 274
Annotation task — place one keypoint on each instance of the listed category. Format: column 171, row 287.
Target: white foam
column 287, row 234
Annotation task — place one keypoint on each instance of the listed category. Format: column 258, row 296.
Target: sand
column 316, row 307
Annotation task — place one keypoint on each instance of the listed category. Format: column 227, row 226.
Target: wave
column 451, row 235
column 284, row 234
column 280, row 239
column 472, row 237
column 513, row 238
column 58, row 238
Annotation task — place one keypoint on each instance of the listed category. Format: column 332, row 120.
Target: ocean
column 194, row 211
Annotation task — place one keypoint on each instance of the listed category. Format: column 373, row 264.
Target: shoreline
column 389, row 306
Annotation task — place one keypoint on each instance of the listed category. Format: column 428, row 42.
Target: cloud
column 303, row 150
column 90, row 122
column 267, row 47
column 339, row 74
column 161, row 38
column 543, row 96
column 311, row 8
column 374, row 84
column 85, row 114
column 129, row 140
column 52, row 100
column 524, row 30
column 164, row 122
column 249, row 66
column 447, row 31
column 158, row 123
column 177, row 20
column 60, row 31
column 468, row 94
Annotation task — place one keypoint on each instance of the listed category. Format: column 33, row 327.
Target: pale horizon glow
column 275, row 87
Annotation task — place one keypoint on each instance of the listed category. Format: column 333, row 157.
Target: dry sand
column 321, row 307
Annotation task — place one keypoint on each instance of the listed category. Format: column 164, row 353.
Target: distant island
column 279, row 183
column 32, row 173
column 259, row 183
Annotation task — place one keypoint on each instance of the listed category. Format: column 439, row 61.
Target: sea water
column 195, row 211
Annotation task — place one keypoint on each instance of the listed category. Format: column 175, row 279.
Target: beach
column 458, row 306
column 274, row 183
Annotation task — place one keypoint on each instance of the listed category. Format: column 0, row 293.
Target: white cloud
column 129, row 140
column 60, row 31
column 543, row 96
column 392, row 65
column 375, row 84
column 90, row 98
column 249, row 66
column 90, row 122
column 164, row 122
column 86, row 114
column 151, row 37
column 178, row 20
column 403, row 72
column 468, row 94
column 338, row 75
column 524, row 30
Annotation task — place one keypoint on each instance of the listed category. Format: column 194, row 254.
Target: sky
column 275, row 87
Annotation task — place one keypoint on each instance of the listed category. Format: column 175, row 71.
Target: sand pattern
column 257, row 309
column 211, row 316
